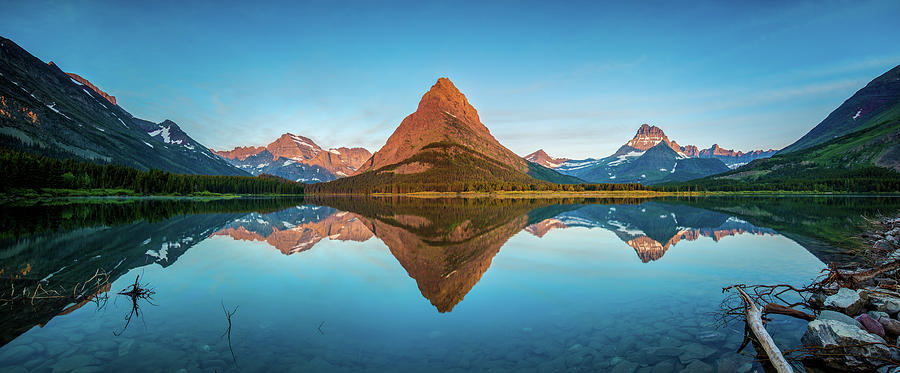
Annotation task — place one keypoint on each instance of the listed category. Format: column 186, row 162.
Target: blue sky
column 576, row 79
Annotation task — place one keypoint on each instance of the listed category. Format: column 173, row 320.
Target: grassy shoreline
column 19, row 195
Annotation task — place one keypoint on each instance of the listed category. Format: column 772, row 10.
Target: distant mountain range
column 650, row 158
column 297, row 158
column 46, row 111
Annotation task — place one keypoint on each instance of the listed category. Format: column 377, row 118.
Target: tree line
column 28, row 171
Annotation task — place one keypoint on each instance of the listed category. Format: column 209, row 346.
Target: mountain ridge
column 46, row 111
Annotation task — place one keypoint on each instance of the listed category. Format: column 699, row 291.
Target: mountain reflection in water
column 445, row 245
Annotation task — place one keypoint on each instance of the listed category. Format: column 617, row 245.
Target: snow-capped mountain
column 651, row 157
column 297, row 158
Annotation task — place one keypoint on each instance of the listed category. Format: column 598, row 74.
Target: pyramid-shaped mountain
column 444, row 115
column 444, row 146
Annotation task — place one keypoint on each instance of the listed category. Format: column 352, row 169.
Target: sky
column 574, row 78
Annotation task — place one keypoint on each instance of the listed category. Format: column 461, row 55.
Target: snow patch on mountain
column 624, row 157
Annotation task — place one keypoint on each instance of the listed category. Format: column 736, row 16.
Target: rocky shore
column 856, row 326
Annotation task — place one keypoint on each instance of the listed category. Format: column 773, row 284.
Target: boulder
column 846, row 301
column 837, row 316
column 817, row 300
column 877, row 314
column 849, row 346
column 870, row 325
column 891, row 326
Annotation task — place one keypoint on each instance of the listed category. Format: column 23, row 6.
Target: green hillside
column 543, row 173
column 867, row 160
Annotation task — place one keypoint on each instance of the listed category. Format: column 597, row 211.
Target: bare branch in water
column 228, row 330
column 136, row 292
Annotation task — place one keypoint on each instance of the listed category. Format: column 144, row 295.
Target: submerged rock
column 835, row 334
column 17, row 353
column 846, row 301
column 625, row 366
column 698, row 366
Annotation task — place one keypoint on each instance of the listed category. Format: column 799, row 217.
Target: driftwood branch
column 754, row 321
column 854, row 279
column 774, row 308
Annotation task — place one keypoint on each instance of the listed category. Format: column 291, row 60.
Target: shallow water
column 408, row 285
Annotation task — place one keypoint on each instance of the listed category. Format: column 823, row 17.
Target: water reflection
column 651, row 228
column 446, row 246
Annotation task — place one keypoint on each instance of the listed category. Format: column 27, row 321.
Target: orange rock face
column 341, row 161
column 85, row 82
column 648, row 136
column 444, row 114
column 241, row 153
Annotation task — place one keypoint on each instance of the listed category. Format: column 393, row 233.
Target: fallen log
column 787, row 311
column 754, row 321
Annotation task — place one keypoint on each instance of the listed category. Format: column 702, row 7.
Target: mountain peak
column 647, row 136
column 443, row 115
column 542, row 158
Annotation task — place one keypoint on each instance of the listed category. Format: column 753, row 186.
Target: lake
column 405, row 284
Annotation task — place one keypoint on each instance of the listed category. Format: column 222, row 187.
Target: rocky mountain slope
column 45, row 111
column 297, row 158
column 878, row 97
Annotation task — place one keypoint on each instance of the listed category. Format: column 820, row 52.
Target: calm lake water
column 405, row 284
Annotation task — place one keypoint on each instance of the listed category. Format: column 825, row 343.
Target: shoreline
column 33, row 196
column 853, row 312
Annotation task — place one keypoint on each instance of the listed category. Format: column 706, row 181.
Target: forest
column 22, row 171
